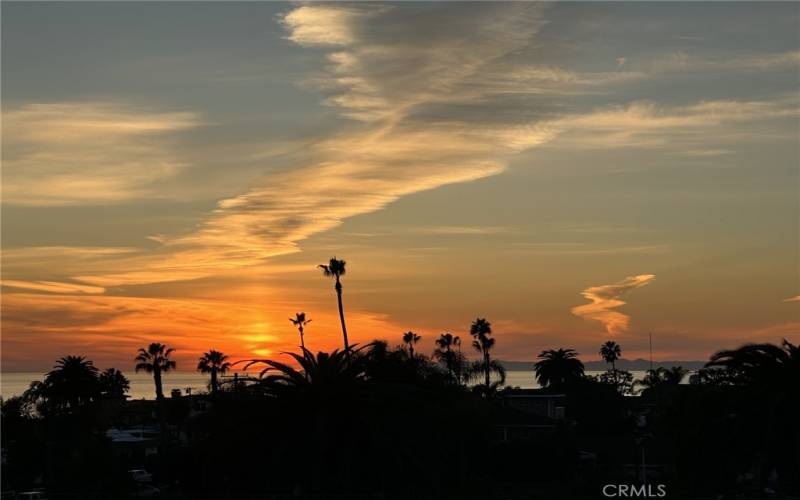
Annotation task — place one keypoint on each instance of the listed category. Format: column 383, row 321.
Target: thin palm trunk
column 486, row 367
column 460, row 366
column 162, row 422
column 214, row 383
column 159, row 386
column 302, row 341
column 341, row 314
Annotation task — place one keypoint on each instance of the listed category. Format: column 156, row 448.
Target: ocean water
column 525, row 379
column 142, row 386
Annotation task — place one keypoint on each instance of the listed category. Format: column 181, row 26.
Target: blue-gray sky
column 571, row 171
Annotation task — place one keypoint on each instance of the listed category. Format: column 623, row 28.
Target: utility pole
column 651, row 351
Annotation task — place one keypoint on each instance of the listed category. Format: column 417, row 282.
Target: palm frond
column 477, row 345
column 496, row 367
column 147, row 367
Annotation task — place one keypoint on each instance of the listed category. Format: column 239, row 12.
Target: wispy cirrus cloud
column 464, row 230
column 421, row 96
column 70, row 153
column 648, row 124
column 796, row 298
column 606, row 298
column 392, row 77
column 684, row 61
column 385, row 81
column 52, row 286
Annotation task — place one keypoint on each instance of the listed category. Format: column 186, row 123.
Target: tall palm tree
column 611, row 352
column 155, row 360
column 336, row 269
column 481, row 331
column 558, row 368
column 72, row 382
column 113, row 383
column 213, row 362
column 410, row 339
column 479, row 369
column 300, row 322
column 445, row 354
column 445, row 342
column 461, row 372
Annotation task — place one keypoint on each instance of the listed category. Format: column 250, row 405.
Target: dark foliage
column 376, row 422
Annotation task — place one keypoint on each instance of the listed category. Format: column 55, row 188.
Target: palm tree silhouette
column 446, row 355
column 765, row 364
column 155, row 360
column 483, row 343
column 336, row 269
column 71, row 383
column 659, row 377
column 213, row 362
column 411, row 338
column 113, row 383
column 773, row 371
column 300, row 322
column 558, row 368
column 611, row 352
column 462, row 374
column 322, row 372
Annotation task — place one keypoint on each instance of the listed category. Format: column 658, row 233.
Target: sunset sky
column 573, row 172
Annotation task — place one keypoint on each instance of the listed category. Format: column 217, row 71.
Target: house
column 527, row 414
column 135, row 444
column 535, row 401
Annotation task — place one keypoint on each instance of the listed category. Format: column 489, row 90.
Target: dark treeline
column 391, row 422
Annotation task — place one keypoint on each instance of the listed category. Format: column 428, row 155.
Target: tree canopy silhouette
column 113, row 383
column 410, row 339
column 558, row 368
column 611, row 352
column 452, row 359
column 662, row 377
column 155, row 359
column 71, row 385
column 73, row 380
column 214, row 363
column 762, row 364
